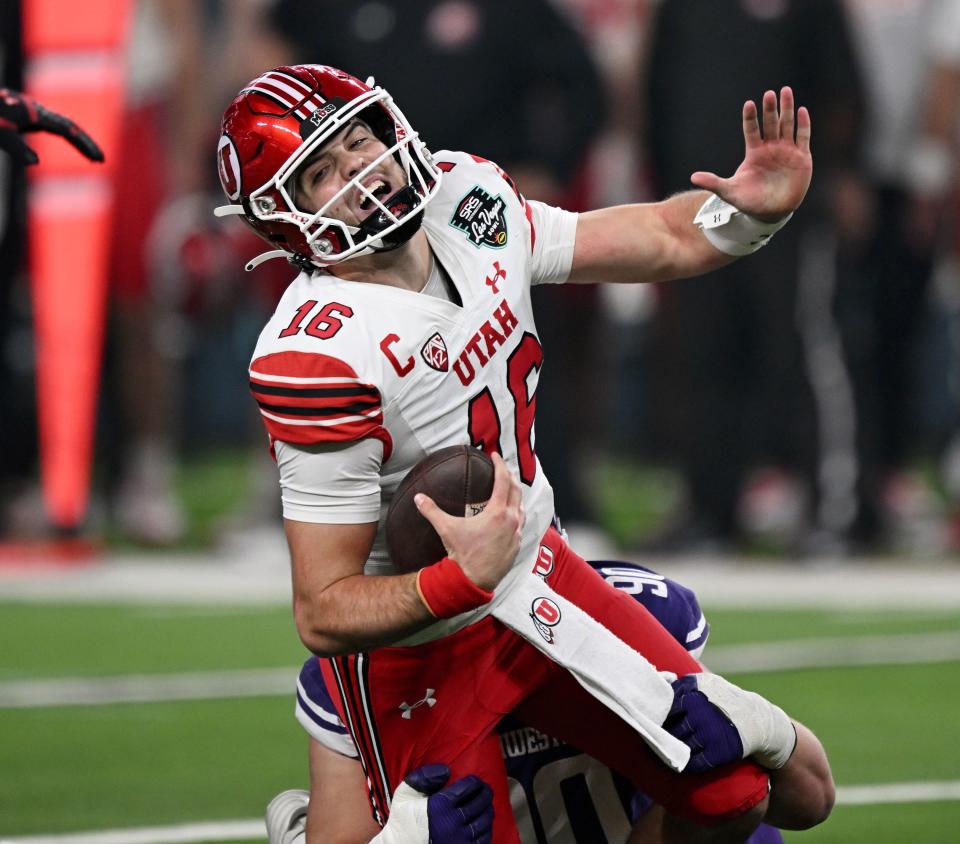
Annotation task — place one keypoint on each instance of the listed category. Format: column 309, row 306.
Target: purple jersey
column 558, row 794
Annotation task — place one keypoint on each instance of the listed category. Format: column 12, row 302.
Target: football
column 459, row 479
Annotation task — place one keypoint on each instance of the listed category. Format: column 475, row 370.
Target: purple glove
column 711, row 736
column 461, row 813
column 21, row 113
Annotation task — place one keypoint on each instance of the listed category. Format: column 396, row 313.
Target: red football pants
column 440, row 702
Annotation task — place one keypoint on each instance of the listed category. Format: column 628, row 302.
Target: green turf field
column 93, row 767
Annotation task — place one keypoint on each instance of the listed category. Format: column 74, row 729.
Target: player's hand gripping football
column 775, row 173
column 484, row 545
column 21, row 113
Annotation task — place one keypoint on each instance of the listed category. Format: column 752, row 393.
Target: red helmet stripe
column 279, row 87
column 288, row 79
column 273, row 95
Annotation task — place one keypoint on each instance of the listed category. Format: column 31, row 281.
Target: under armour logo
column 427, row 699
column 498, row 274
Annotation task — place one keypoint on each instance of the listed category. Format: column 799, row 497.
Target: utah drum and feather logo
column 545, row 615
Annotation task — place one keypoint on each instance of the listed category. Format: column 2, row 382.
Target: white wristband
column 733, row 231
column 767, row 733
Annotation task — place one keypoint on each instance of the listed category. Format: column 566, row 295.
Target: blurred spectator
column 513, row 82
column 732, row 385
column 18, row 414
column 606, row 413
column 163, row 127
column 160, row 156
column 20, row 115
column 895, row 227
column 185, row 314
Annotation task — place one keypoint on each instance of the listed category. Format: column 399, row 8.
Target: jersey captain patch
column 434, row 352
column 481, row 217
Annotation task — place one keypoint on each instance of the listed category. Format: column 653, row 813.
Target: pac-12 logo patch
column 434, row 352
column 481, row 216
column 546, row 615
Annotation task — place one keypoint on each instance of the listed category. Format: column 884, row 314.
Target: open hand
column 775, row 173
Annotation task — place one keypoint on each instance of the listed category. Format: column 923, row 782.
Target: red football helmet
column 271, row 128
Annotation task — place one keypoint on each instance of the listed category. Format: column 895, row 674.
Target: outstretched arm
column 659, row 241
column 20, row 113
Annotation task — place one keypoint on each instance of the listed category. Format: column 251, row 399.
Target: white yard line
column 147, row 688
column 258, row 573
column 841, row 585
column 253, row 829
column 907, row 649
column 898, row 792
column 188, row 833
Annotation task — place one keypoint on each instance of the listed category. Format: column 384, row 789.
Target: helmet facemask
column 392, row 220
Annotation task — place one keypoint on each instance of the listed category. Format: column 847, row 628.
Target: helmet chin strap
column 253, row 263
column 400, row 236
column 402, row 202
column 256, row 261
column 228, row 210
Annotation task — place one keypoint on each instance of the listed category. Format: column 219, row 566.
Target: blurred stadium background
column 147, row 654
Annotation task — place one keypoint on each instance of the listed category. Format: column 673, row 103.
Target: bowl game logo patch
column 481, row 216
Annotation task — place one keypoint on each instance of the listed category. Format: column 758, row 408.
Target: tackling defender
column 557, row 793
column 410, row 329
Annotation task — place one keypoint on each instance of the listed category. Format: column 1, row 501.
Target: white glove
column 423, row 808
column 287, row 817
column 408, row 822
column 767, row 733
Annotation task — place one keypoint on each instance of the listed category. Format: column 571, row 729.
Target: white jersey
column 341, row 361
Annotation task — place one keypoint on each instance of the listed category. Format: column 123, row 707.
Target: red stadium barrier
column 74, row 66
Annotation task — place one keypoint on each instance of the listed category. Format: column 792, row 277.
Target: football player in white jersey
column 410, row 329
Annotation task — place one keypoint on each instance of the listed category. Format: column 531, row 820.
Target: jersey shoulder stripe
column 307, row 398
column 317, row 714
